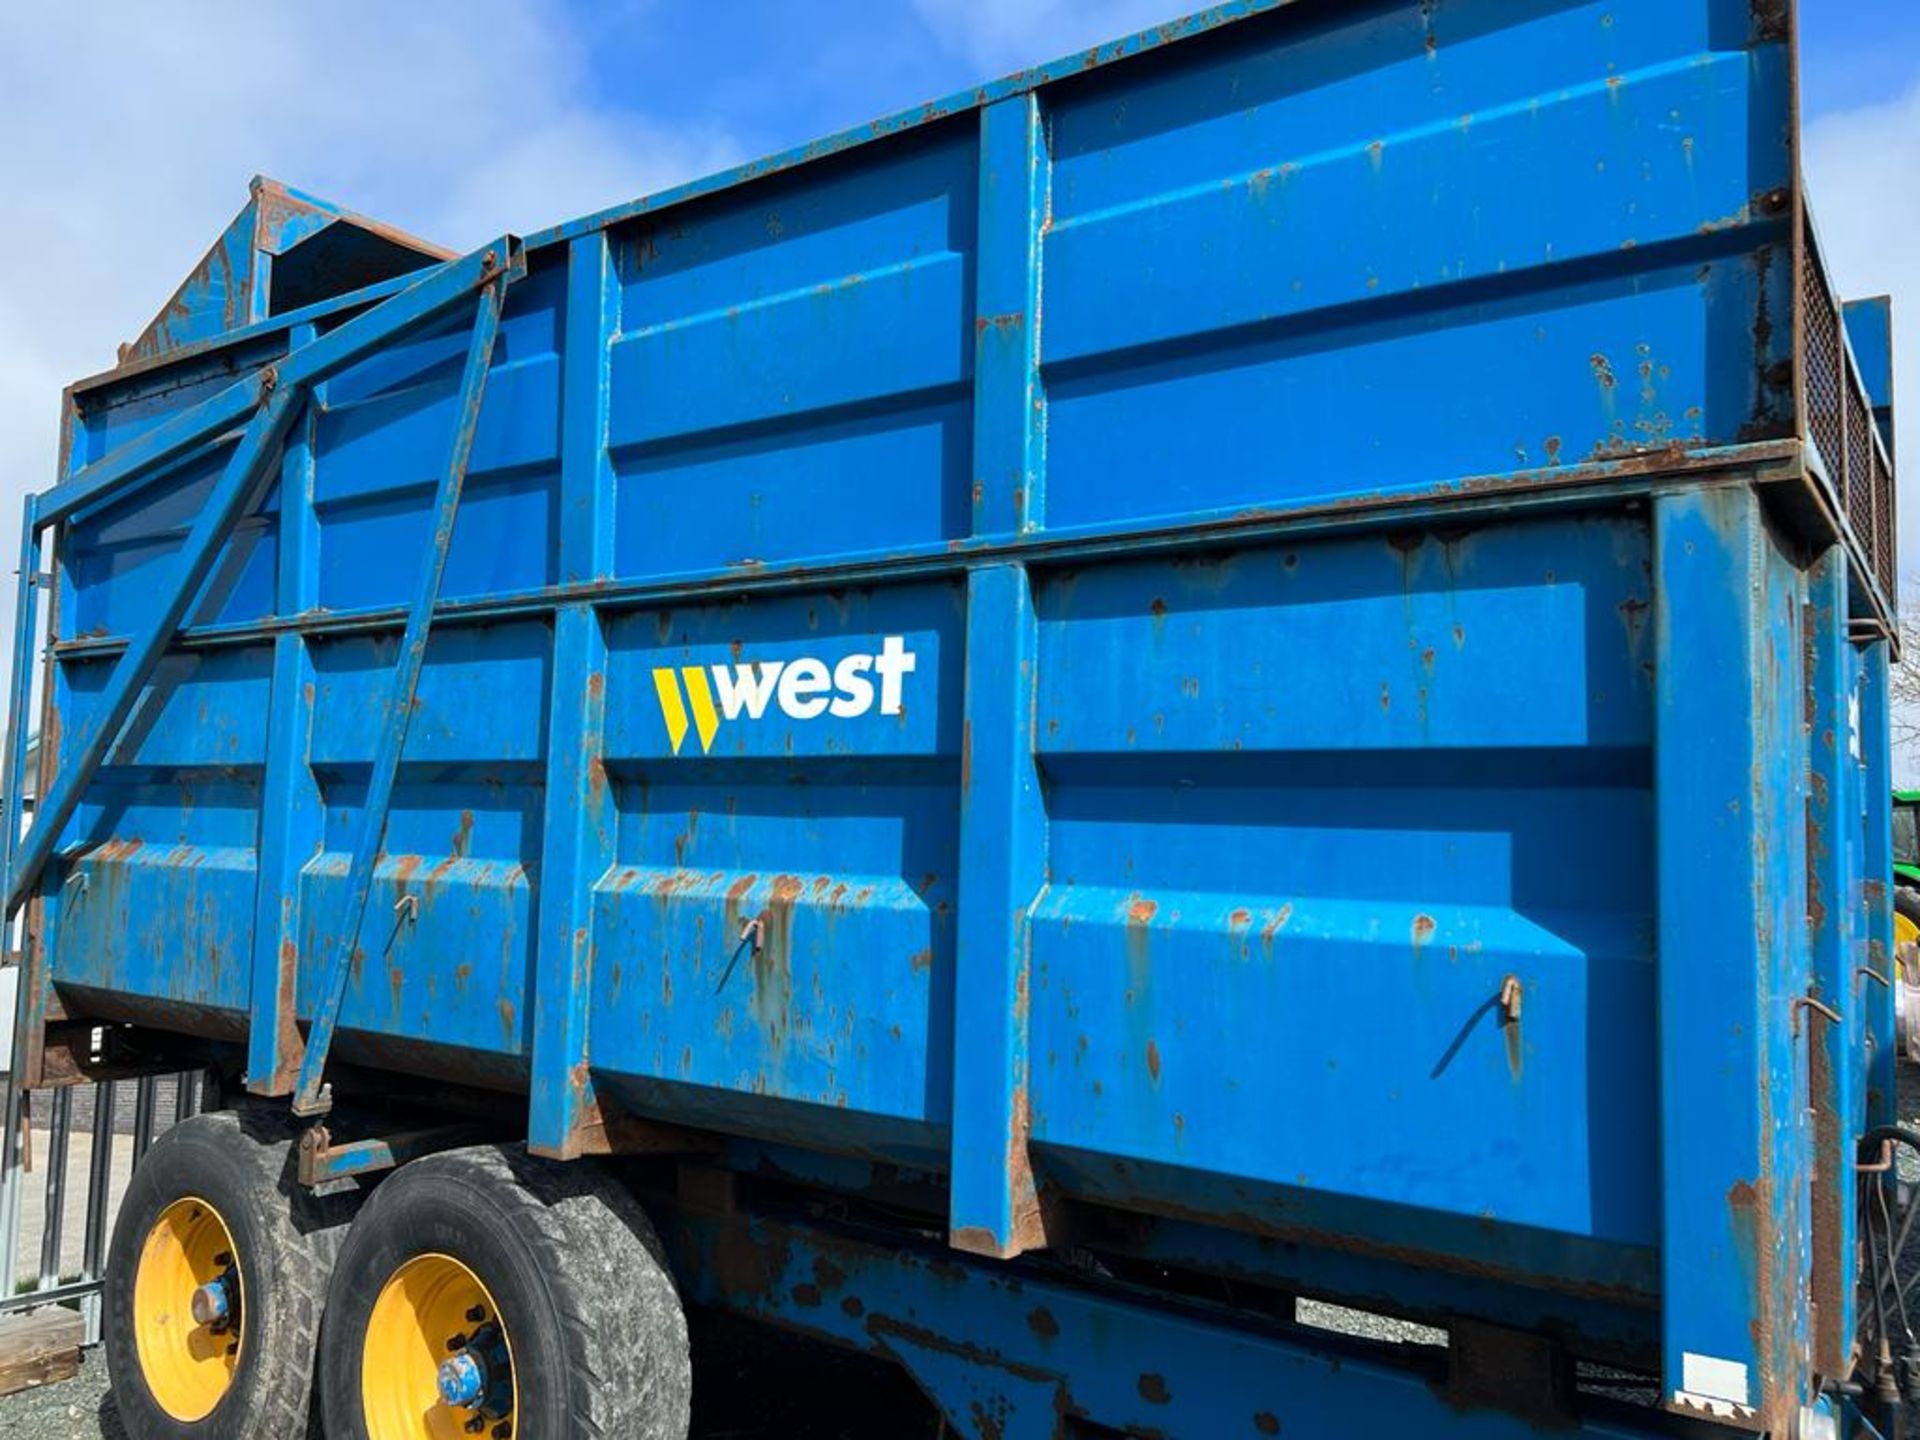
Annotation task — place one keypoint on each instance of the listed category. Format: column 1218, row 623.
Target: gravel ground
column 69, row 1411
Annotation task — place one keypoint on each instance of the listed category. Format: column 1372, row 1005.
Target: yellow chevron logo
column 802, row 689
column 674, row 711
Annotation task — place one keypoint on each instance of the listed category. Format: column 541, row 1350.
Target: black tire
column 594, row 1323
column 240, row 1162
column 1906, row 900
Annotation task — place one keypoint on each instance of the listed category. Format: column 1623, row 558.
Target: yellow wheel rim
column 431, row 1309
column 188, row 1366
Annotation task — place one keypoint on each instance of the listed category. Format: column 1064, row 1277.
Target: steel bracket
column 321, row 1160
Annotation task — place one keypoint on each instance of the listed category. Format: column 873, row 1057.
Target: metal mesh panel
column 1840, row 423
column 1861, row 492
column 1822, row 338
column 1884, row 563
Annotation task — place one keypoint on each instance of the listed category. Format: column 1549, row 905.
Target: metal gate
column 74, row 1136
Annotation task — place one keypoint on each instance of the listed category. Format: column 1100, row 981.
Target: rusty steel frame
column 268, row 401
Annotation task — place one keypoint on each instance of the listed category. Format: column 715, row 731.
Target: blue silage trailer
column 1249, row 668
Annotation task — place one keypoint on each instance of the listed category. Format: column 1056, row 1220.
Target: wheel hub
column 216, row 1304
column 479, row 1374
column 187, row 1307
column 437, row 1363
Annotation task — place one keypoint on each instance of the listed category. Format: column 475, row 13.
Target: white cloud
column 132, row 131
column 1006, row 34
column 1860, row 166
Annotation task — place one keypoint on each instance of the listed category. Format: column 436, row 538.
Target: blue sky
column 1857, row 52
column 777, row 74
column 133, row 128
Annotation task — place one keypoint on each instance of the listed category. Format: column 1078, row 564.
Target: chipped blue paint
column 1222, row 653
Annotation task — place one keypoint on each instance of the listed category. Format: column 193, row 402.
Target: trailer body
column 1263, row 651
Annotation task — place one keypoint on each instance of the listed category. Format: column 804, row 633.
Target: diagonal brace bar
column 25, row 616
column 127, row 468
column 310, row 1097
column 249, row 470
column 26, row 1014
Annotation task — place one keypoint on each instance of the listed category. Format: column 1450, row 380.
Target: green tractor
column 1906, row 917
column 1906, row 863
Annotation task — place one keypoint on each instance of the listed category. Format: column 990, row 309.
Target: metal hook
column 1510, row 997
column 407, row 907
column 751, row 931
column 1812, row 1004
column 1884, row 1163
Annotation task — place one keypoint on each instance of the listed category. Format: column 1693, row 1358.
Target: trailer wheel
column 214, row 1283
column 483, row 1292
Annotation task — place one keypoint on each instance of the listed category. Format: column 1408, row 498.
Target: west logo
column 802, row 689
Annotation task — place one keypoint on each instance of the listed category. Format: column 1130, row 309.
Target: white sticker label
column 1712, row 1378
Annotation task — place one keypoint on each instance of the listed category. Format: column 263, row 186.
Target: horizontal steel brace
column 1754, row 463
column 52, row 1295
